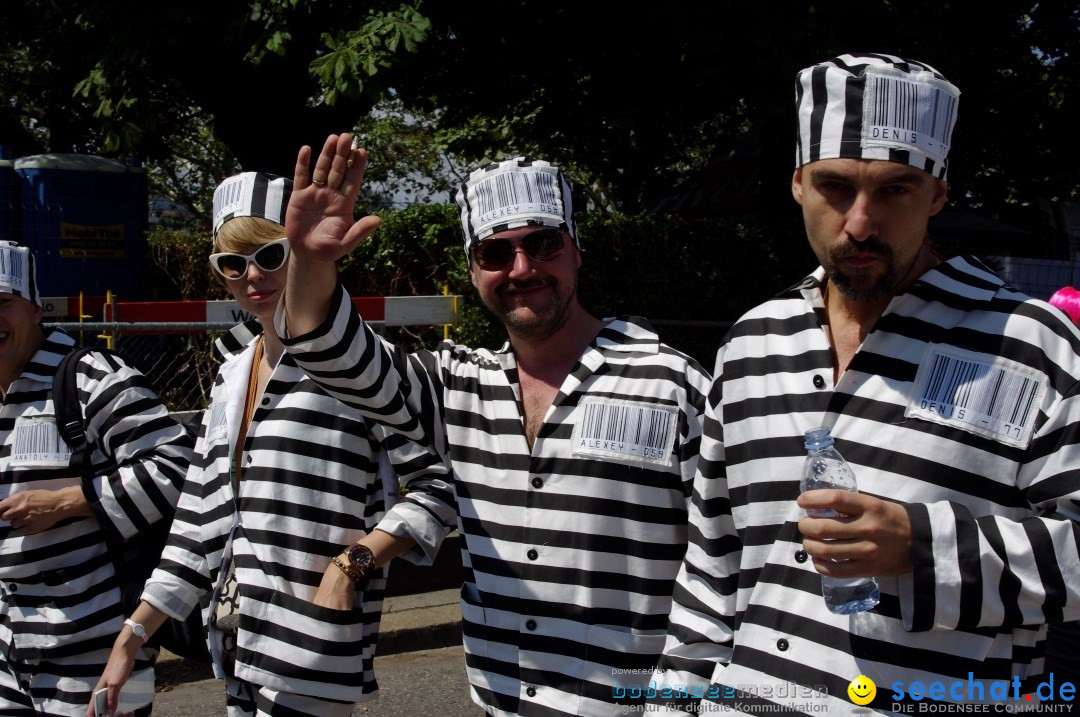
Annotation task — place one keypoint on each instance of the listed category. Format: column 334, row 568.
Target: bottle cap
column 819, row 437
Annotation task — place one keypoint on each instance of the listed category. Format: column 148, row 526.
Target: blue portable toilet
column 8, row 200
column 85, row 219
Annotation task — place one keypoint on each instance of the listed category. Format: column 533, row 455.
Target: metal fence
column 180, row 366
column 180, row 361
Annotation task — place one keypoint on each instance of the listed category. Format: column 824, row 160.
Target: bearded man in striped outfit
column 953, row 398
column 572, row 448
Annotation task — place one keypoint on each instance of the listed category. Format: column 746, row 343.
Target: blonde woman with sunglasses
column 283, row 476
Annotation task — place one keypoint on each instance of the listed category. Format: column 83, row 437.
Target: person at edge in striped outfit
column 953, row 397
column 572, row 447
column 60, row 604
column 1063, row 641
column 283, row 475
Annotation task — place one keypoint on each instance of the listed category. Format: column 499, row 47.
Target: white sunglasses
column 269, row 257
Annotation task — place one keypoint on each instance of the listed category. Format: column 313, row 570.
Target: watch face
column 361, row 559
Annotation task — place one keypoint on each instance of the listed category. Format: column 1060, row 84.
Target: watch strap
column 137, row 629
column 347, row 569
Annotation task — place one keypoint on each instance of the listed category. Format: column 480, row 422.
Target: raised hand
column 320, row 226
column 319, row 221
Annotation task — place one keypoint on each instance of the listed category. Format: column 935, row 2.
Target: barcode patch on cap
column 980, row 393
column 38, row 443
column 229, row 198
column 513, row 193
column 901, row 111
column 12, row 269
column 638, row 432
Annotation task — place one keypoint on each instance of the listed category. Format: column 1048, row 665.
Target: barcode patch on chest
column 634, row 431
column 985, row 394
column 921, row 114
column 38, row 443
column 513, row 193
column 217, row 427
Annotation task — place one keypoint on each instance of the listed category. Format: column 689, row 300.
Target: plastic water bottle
column 826, row 468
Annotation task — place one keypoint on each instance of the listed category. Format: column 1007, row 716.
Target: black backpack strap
column 70, row 423
column 65, row 395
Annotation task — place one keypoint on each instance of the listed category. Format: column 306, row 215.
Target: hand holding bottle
column 873, row 539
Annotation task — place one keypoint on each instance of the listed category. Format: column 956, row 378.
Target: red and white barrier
column 388, row 310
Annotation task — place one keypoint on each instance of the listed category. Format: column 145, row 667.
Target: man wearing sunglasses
column 572, row 447
column 59, row 602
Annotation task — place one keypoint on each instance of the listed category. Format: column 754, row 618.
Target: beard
column 538, row 323
column 876, row 281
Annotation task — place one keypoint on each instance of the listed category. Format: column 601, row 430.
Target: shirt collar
column 233, row 342
column 622, row 333
column 964, row 275
column 42, row 365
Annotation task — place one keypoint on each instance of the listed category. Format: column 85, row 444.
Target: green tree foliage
column 633, row 105
column 179, row 266
column 194, row 90
column 417, row 251
column 409, row 159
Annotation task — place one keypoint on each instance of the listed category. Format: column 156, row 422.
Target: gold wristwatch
column 361, row 561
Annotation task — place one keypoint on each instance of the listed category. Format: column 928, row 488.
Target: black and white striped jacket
column 312, row 484
column 962, row 403
column 570, row 549
column 58, row 586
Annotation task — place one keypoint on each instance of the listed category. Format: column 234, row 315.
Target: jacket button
column 533, row 555
column 530, row 624
column 819, row 382
column 12, row 588
column 266, row 401
column 537, row 482
column 531, row 692
column 800, row 556
column 782, row 645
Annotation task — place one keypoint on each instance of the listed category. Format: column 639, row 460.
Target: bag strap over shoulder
column 65, row 395
column 69, row 417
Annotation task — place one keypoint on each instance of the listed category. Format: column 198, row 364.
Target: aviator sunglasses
column 540, row 246
column 269, row 257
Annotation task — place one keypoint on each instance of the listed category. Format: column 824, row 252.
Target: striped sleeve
column 398, row 390
column 701, row 624
column 427, row 512
column 141, row 453
column 994, row 571
column 183, row 574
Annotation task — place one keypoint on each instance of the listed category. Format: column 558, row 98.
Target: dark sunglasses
column 540, row 246
column 269, row 257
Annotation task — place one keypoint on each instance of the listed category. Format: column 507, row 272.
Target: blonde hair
column 245, row 234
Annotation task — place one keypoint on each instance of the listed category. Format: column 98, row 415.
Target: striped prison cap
column 518, row 192
column 251, row 194
column 871, row 106
column 17, row 273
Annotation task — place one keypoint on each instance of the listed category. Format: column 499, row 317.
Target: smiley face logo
column 862, row 690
